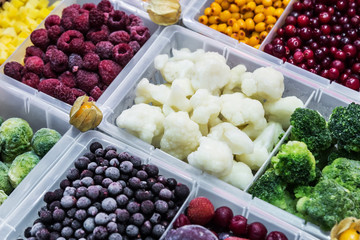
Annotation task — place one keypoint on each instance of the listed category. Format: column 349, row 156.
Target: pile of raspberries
column 80, row 53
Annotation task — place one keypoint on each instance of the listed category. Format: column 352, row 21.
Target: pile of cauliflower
column 223, row 120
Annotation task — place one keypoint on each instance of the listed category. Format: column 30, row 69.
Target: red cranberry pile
column 322, row 37
column 221, row 222
column 80, row 53
column 109, row 195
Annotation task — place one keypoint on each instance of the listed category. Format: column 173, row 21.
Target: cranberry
column 325, row 73
column 305, row 33
column 351, row 12
column 333, row 50
column 310, row 62
column 356, row 68
column 314, row 22
column 333, row 42
column 291, row 60
column 323, row 40
column 314, row 46
column 324, row 17
column 319, row 54
column 269, row 48
column 352, row 83
column 303, row 21
column 343, row 20
column 298, row 57
column 350, row 50
column 338, row 65
column 343, row 77
column 297, row 6
column 294, row 43
column 308, row 54
column 317, row 68
column 312, row 70
column 308, row 13
column 340, row 55
column 325, row 50
column 341, row 5
column 334, row 19
column 316, row 33
column 348, row 71
column 303, row 66
column 325, row 29
column 331, row 10
column 290, row 20
column 295, row 14
column 333, row 73
column 325, row 63
column 352, row 34
column 290, row 30
column 277, row 41
column 357, row 44
column 307, row 4
column 280, row 32
column 355, row 21
column 319, row 8
column 346, row 26
column 336, row 29
column 278, row 51
column 287, row 51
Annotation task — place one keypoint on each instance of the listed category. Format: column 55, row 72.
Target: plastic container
column 23, row 216
column 19, row 54
column 16, row 103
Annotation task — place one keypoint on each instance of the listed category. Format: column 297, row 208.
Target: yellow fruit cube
column 3, row 56
column 5, row 40
column 17, row 3
column 9, row 32
column 33, row 13
column 44, row 13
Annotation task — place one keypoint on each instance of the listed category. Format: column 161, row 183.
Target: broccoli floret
column 294, row 163
column 21, row 166
column 4, row 179
column 3, row 196
column 329, row 203
column 272, row 189
column 15, row 135
column 345, row 172
column 344, row 126
column 43, row 140
column 310, row 127
column 341, row 153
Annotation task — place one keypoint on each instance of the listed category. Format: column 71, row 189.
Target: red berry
column 200, row 211
column 238, row 225
column 352, row 83
column 290, row 30
column 350, row 50
column 356, row 68
column 333, row 73
column 182, row 220
column 222, row 217
column 308, row 54
column 257, row 231
column 303, row 21
column 294, row 43
column 324, row 17
column 298, row 57
column 340, row 55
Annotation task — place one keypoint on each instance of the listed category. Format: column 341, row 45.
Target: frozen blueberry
column 133, row 207
column 100, row 170
column 161, row 206
column 77, row 183
column 147, row 207
column 134, row 183
column 170, row 214
column 92, row 166
column 45, row 215
column 134, row 172
column 150, row 182
column 126, row 167
column 80, row 214
column 68, row 201
column 75, row 224
column 137, row 219
column 132, row 230
column 98, row 179
column 58, row 193
column 58, row 215
column 122, row 215
column 43, row 234
column 73, row 174
column 152, row 170
column 142, row 175
column 80, row 192
column 87, row 181
column 122, row 200
column 165, row 194
column 71, row 212
column 157, row 187
column 171, row 183
column 114, row 188
column 113, row 173
column 114, row 162
column 99, row 152
column 155, row 218
column 142, row 195
column 106, row 182
column 103, row 193
column 81, row 163
column 86, row 173
column 54, row 205
column 89, row 224
column 109, row 204
column 144, row 185
column 146, row 228
column 80, row 233
column 162, row 179
column 56, row 227
column 100, row 232
column 83, row 202
column 171, row 204
column 94, row 146
column 111, row 227
column 115, row 236
column 110, row 154
column 66, row 232
column 92, row 211
column 49, row 197
column 101, row 218
column 128, row 192
column 158, row 230
column 136, row 161
column 181, row 191
column 91, row 156
column 65, row 183
column 93, row 192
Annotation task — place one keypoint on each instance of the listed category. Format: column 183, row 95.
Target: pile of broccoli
column 20, row 151
column 316, row 173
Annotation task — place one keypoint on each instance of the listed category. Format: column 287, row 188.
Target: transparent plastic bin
column 16, row 103
column 24, row 215
column 19, row 54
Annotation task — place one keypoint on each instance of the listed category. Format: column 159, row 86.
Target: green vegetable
column 328, row 203
column 345, row 172
column 1, row 120
column 344, row 126
column 310, row 127
column 21, row 166
column 15, row 135
column 272, row 189
column 43, row 140
column 4, row 179
column 3, row 196
column 294, row 163
column 341, row 153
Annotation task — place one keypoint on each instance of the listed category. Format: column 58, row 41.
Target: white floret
column 181, row 135
column 205, row 106
column 213, row 157
column 280, row 110
column 177, row 99
column 160, row 61
column 185, row 84
column 143, row 121
column 177, row 69
column 235, row 79
column 240, row 176
column 236, row 139
column 147, row 92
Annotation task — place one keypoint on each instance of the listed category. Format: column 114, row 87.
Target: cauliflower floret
column 205, row 106
column 181, row 135
column 234, row 84
column 240, row 110
column 213, row 121
column 143, row 121
column 160, row 61
column 240, row 176
column 185, row 84
column 280, row 110
column 253, row 130
column 177, row 69
column 212, row 156
column 166, row 109
column 149, row 93
column 266, row 84
column 236, row 139
column 177, row 99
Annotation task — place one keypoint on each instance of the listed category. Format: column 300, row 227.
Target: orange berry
column 203, row 19
column 269, row 11
column 222, row 27
column 270, row 20
column 242, row 35
column 229, row 31
column 234, row 8
column 235, row 15
column 267, row 3
column 277, row 4
column 251, row 6
column 249, row 14
column 240, row 3
column 215, row 9
column 231, row 21
column 214, row 26
column 259, row 9
column 278, row 12
column 263, row 35
column 250, row 25
column 225, row 5
column 207, row 11
column 269, row 27
column 214, row 20
column 257, row 46
column 260, row 27
column 236, row 27
column 242, row 24
column 254, row 40
column 235, row 36
column 259, row 17
column 225, row 15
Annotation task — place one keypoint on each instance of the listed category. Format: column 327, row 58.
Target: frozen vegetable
column 43, row 140
column 240, row 175
column 5, row 184
column 21, row 166
column 205, row 106
column 3, row 196
column 150, row 93
column 15, row 135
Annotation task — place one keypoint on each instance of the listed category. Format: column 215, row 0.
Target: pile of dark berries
column 109, row 195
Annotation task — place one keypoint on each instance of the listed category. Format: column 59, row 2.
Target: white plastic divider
column 19, row 54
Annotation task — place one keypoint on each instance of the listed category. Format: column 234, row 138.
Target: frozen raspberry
column 14, row 70
column 89, row 6
column 65, row 94
column 200, row 211
column 97, row 36
column 104, row 49
column 52, row 20
column 119, row 37
column 91, row 61
column 31, row 79
column 108, row 71
column 49, row 52
column 118, row 20
column 96, row 93
column 68, row 79
column 122, row 53
column 78, row 92
column 105, row 6
column 88, row 47
column 75, row 62
column 54, row 32
column 135, row 46
column 58, row 61
column 134, row 21
column 68, row 43
column 81, row 23
column 83, row 11
column 47, row 72
column 67, row 23
column 96, row 18
column 48, row 86
column 34, row 51
column 71, row 11
column 140, row 34
column 86, row 81
column 34, row 64
column 40, row 38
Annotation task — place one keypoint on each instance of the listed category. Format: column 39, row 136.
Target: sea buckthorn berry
column 251, row 6
column 285, row 2
column 247, row 1
column 231, row 21
column 258, row 2
column 207, row 11
column 229, row 31
column 230, row 1
column 269, row 27
column 259, row 9
column 235, row 15
column 263, row 35
column 278, row 12
column 235, row 35
column 234, row 8
column 240, row 3
column 259, row 17
column 203, row 19
column 215, row 9
column 256, row 34
column 242, row 24
column 267, row 3
column 225, row 5
column 236, row 27
column 225, row 15
column 242, row 35
column 249, row 14
column 250, row 25
column 222, row 27
column 214, row 26
column 214, row 20
column 269, row 11
column 277, row 4
column 270, row 20
column 219, row 1
column 260, row 27
column 254, row 40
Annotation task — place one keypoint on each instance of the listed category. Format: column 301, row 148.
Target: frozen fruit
column 81, row 23
column 71, row 11
column 119, row 37
column 68, row 79
column 89, row 6
column 190, row 232
column 223, row 216
column 105, row 6
column 64, row 93
column 122, row 53
column 96, row 93
column 96, row 18
column 34, row 51
column 34, row 64
column 58, row 61
column 96, row 36
column 140, row 34
column 134, row 21
column 238, row 225
column 68, row 41
column 40, row 38
column 91, row 61
column 104, row 49
column 67, row 23
column 75, row 62
column 135, row 46
column 200, row 211
column 86, row 81
column 14, row 70
column 47, row 72
column 52, row 20
column 118, row 20
column 275, row 235
column 48, row 86
column 182, row 220
column 31, row 79
column 257, row 231
column 108, row 70
column 88, row 47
